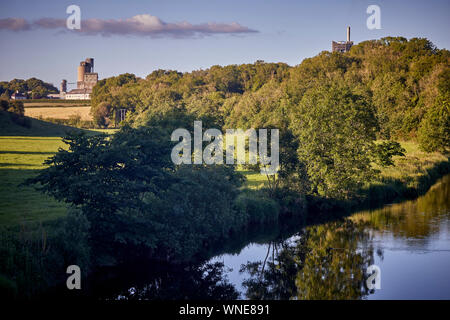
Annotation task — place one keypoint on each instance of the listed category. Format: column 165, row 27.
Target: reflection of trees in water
column 414, row 219
column 327, row 261
column 183, row 282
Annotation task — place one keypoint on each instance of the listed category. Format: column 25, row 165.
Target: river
column 406, row 244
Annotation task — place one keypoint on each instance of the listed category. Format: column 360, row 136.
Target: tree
column 383, row 152
column 16, row 107
column 136, row 200
column 101, row 114
column 336, row 131
column 434, row 130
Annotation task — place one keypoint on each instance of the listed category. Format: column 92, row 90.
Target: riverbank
column 410, row 177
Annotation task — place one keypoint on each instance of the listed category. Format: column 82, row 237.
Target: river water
column 409, row 242
column 403, row 248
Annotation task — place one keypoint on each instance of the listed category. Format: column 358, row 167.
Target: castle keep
column 86, row 80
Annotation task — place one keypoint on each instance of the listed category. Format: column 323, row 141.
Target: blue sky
column 287, row 31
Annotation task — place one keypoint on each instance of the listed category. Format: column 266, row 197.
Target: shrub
column 257, row 208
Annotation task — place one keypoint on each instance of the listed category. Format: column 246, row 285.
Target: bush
column 257, row 208
column 35, row 257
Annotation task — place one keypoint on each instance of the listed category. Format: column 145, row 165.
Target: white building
column 79, row 94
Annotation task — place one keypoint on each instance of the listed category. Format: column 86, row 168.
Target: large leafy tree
column 335, row 130
column 434, row 130
column 136, row 200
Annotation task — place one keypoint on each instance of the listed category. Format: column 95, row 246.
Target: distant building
column 342, row 46
column 78, row 94
column 63, row 87
column 18, row 96
column 54, row 96
column 86, row 80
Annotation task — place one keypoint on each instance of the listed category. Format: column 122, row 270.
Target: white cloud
column 139, row 25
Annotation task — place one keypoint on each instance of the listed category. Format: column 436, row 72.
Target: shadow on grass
column 26, row 152
column 23, row 204
column 38, row 128
column 7, row 164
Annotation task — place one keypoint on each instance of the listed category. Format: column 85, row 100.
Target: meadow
column 60, row 112
column 20, row 158
column 22, row 153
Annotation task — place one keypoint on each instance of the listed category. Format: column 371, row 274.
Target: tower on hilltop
column 342, row 46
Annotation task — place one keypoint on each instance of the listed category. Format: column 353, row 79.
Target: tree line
column 32, row 88
column 405, row 83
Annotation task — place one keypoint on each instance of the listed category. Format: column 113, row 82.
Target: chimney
column 348, row 34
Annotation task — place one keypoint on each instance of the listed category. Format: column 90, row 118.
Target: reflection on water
column 323, row 262
column 165, row 282
column 409, row 241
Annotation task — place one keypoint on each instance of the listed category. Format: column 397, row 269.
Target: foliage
column 394, row 83
column 16, row 112
column 33, row 88
column 335, row 129
column 434, row 130
column 384, row 151
column 133, row 195
column 35, row 258
column 257, row 208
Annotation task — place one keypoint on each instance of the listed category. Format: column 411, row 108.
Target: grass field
column 61, row 112
column 413, row 165
column 22, row 153
column 20, row 158
column 56, row 104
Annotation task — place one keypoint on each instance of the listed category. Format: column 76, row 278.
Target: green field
column 20, row 158
column 22, row 153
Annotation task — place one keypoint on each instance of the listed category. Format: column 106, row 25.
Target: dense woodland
column 405, row 83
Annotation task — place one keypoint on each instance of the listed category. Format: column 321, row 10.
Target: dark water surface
column 409, row 242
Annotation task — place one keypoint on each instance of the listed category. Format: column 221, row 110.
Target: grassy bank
column 411, row 176
column 23, row 151
column 20, row 159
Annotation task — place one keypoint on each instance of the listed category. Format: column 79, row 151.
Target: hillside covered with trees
column 405, row 83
